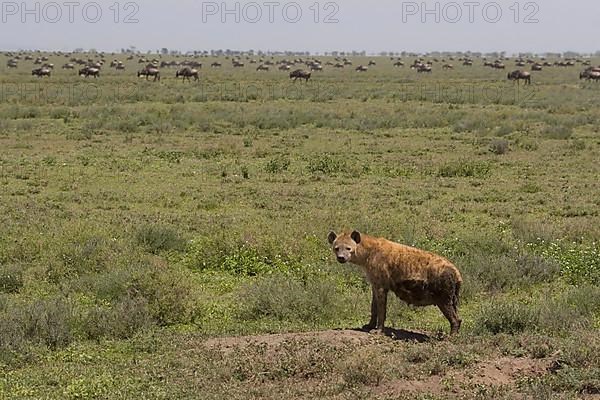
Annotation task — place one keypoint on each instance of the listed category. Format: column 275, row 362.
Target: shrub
column 533, row 269
column 11, row 279
column 79, row 255
column 220, row 254
column 128, row 316
column 326, row 164
column 156, row 238
column 503, row 316
column 557, row 132
column 281, row 298
column 277, row 165
column 577, row 145
column 45, row 321
column 533, row 231
column 505, row 130
column 579, row 264
column 168, row 294
column 357, row 372
column 464, row 168
column 499, row 146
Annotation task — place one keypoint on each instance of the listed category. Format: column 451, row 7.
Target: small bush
column 11, row 279
column 505, row 130
column 499, row 146
column 560, row 132
column 358, row 371
column 533, row 231
column 168, row 294
column 326, row 164
column 277, row 165
column 219, row 254
column 579, row 264
column 506, row 317
column 281, row 298
column 245, row 172
column 79, row 255
column 464, row 168
column 577, row 145
column 127, row 317
column 533, row 269
column 156, row 238
column 46, row 321
column 61, row 113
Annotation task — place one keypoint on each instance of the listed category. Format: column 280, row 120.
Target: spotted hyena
column 416, row 276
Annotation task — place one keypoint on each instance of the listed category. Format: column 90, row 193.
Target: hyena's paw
column 368, row 327
column 377, row 332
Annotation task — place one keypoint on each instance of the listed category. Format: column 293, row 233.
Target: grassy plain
column 141, row 220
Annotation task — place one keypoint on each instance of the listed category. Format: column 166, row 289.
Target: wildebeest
column 68, row 66
column 418, row 277
column 536, row 67
column 590, row 74
column 90, row 71
column 187, row 73
column 284, row 67
column 518, row 74
column 424, row 68
column 148, row 72
column 262, row 67
column 314, row 66
column 40, row 72
column 216, row 65
column 300, row 74
column 448, row 66
column 398, row 64
column 12, row 63
column 362, row 68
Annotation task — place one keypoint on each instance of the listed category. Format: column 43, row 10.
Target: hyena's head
column 344, row 246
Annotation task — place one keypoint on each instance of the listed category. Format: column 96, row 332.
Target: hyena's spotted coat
column 416, row 276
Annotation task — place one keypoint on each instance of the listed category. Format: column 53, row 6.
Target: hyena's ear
column 331, row 237
column 355, row 236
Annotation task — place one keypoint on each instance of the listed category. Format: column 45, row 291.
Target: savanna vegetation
column 142, row 220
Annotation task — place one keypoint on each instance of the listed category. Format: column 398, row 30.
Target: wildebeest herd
column 189, row 70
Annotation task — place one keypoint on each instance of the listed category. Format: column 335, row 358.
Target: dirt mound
column 501, row 372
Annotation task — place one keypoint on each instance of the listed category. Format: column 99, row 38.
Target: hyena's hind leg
column 451, row 314
column 448, row 302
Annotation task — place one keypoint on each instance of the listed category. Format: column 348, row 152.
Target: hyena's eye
column 336, row 248
column 348, row 249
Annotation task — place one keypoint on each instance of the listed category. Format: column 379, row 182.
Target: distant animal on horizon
column 148, row 72
column 300, row 74
column 520, row 75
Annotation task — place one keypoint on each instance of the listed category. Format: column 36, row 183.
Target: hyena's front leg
column 373, row 321
column 381, row 301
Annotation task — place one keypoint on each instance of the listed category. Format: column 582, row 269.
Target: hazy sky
column 383, row 25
